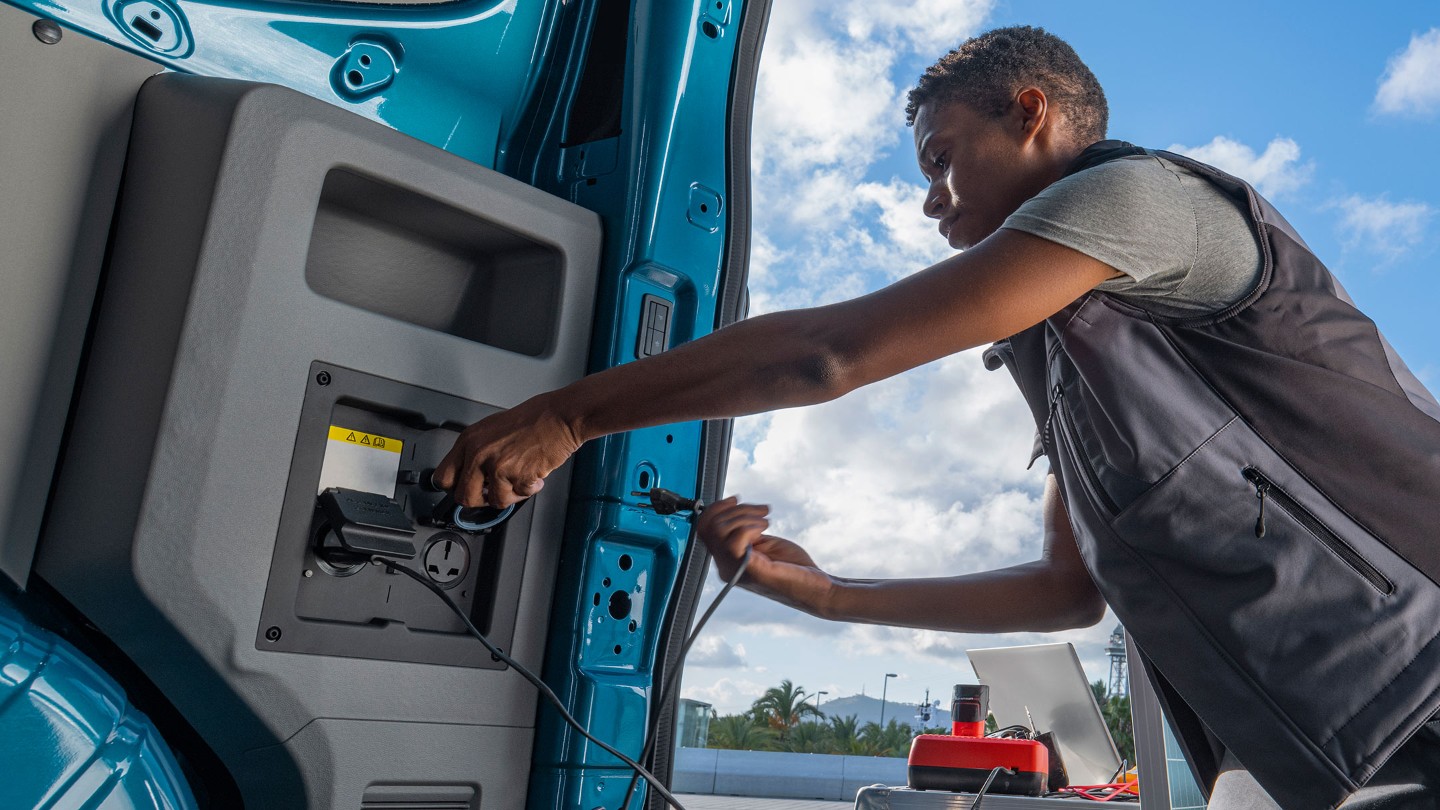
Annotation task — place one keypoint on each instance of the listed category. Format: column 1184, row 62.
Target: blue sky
column 1334, row 112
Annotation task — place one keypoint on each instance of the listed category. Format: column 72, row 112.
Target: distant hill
column 867, row 710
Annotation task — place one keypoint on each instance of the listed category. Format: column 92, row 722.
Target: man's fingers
column 469, row 490
column 444, row 475
column 529, row 488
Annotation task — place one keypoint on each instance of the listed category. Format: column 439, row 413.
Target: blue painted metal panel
column 461, row 76
column 71, row 738
column 673, row 140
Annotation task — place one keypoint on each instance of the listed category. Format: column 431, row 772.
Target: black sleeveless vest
column 1255, row 494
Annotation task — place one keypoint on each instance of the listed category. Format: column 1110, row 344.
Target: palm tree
column 738, row 732
column 784, row 706
column 1117, row 717
column 845, row 735
column 891, row 741
column 808, row 738
column 1116, row 711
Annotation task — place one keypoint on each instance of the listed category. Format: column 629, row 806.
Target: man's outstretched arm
column 1054, row 592
column 1006, row 283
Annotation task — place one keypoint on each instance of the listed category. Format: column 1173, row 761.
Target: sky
column 1332, row 111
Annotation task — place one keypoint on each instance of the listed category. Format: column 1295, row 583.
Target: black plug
column 665, row 502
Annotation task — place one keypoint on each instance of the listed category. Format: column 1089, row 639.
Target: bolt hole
column 704, row 208
column 589, row 181
column 597, row 599
column 354, row 77
column 633, row 624
column 606, row 583
column 154, row 15
column 365, row 59
column 644, row 479
column 617, row 649
column 626, row 562
column 619, row 605
column 669, row 439
column 710, row 30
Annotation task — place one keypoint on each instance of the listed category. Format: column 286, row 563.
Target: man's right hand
column 778, row 568
column 504, row 458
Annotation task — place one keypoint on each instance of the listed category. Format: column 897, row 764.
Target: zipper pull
column 1262, row 488
column 1050, row 417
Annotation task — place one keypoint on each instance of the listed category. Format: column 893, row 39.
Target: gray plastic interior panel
column 65, row 110
column 170, row 495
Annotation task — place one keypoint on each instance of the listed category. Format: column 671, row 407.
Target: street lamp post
column 884, row 689
column 817, row 700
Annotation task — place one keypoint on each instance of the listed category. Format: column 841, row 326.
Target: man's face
column 978, row 168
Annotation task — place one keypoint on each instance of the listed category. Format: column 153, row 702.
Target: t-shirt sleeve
column 1131, row 214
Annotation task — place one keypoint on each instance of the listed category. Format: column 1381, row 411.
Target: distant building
column 692, row 726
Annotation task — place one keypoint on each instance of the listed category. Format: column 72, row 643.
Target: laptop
column 1042, row 686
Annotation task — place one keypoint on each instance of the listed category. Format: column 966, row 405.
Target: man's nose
column 935, row 202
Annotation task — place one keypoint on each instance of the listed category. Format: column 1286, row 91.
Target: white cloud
column 823, row 103
column 950, row 647
column 1411, row 84
column 1380, row 226
column 925, row 25
column 729, row 695
column 829, row 105
column 716, row 652
column 1274, row 172
column 907, row 240
column 922, row 474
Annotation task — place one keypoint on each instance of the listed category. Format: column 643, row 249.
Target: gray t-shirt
column 1185, row 248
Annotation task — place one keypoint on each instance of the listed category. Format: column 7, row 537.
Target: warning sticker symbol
column 340, row 434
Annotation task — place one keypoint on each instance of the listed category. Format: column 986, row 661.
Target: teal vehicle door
column 263, row 260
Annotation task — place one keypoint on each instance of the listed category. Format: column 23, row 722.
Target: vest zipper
column 1091, row 479
column 1045, row 439
column 1265, row 489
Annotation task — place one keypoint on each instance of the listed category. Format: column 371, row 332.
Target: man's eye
column 941, row 161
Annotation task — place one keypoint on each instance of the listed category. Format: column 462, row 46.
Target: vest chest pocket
column 1316, row 611
column 1265, row 489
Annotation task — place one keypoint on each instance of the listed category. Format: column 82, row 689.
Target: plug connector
column 665, row 502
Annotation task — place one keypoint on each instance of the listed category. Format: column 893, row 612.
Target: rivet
column 47, row 31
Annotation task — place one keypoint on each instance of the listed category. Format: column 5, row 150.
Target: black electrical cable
column 669, row 684
column 975, row 805
column 545, row 690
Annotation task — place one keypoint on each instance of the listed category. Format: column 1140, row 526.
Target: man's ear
column 1032, row 112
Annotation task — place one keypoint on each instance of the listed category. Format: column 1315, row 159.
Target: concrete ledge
column 782, row 775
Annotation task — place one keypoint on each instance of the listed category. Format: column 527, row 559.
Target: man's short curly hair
column 987, row 71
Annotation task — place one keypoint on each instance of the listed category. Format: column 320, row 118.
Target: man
column 1237, row 458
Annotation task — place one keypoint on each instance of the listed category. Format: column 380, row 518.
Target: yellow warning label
column 340, row 434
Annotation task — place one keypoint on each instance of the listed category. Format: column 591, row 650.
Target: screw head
column 47, row 31
column 309, row 573
column 272, row 633
column 323, row 378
